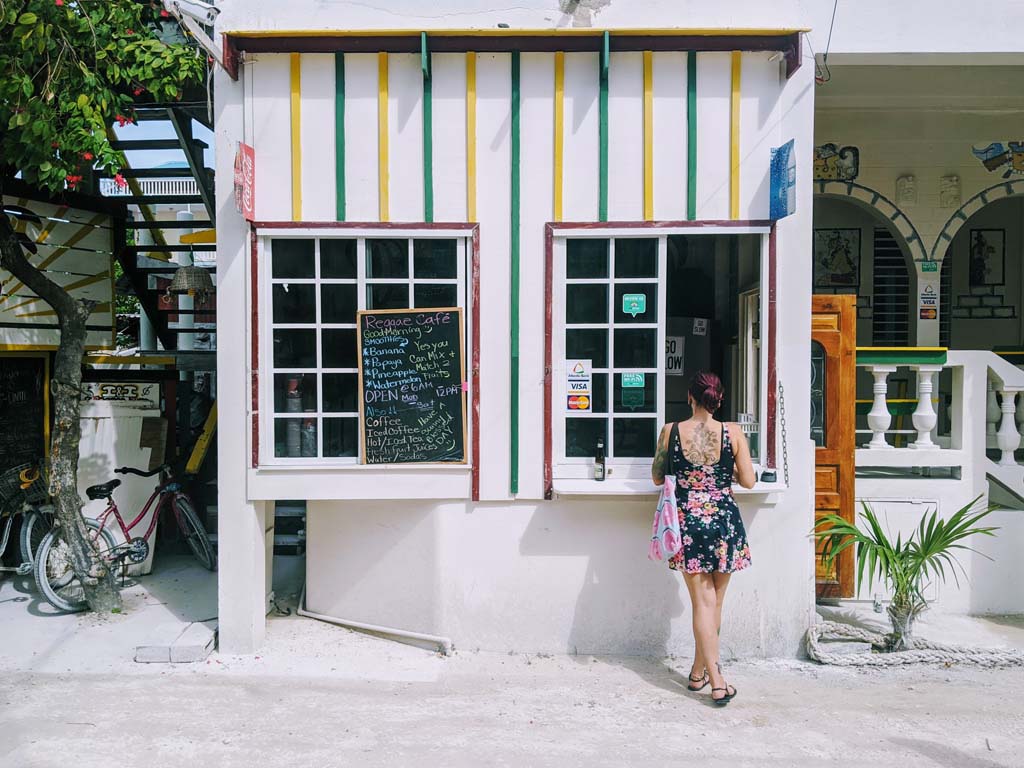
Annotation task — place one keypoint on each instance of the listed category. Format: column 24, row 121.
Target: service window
column 634, row 317
column 314, row 287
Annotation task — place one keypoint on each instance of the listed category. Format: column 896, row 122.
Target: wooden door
column 833, row 409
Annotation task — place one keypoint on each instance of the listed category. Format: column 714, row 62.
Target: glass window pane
column 599, row 393
column 387, row 296
column 295, row 438
column 819, row 424
column 294, row 392
column 581, row 436
column 585, row 258
column 631, row 297
column 338, row 259
column 635, row 399
column 636, row 348
column 387, row 258
column 586, row 304
column 636, row 257
column 587, row 344
column 341, row 393
column 294, row 348
column 338, row 347
column 435, row 258
column 635, row 437
column 436, row 295
column 291, row 258
column 341, row 437
column 338, row 303
column 294, row 303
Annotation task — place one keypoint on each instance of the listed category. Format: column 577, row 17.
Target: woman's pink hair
column 706, row 390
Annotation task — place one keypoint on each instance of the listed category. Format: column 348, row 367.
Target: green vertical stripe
column 691, row 135
column 514, row 280
column 602, row 194
column 339, row 132
column 428, row 132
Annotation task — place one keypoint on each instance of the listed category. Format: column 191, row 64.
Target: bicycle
column 53, row 574
column 23, row 493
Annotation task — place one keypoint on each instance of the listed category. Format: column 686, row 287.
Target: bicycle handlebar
column 139, row 472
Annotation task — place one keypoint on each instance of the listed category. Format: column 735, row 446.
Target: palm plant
column 904, row 565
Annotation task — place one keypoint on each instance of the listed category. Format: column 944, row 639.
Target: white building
column 544, row 169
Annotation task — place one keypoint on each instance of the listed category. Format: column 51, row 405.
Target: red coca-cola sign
column 245, row 181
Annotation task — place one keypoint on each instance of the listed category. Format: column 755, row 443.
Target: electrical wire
column 822, row 74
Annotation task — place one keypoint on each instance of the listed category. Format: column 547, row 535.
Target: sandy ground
column 319, row 695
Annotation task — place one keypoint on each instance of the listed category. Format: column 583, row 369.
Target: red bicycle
column 54, row 576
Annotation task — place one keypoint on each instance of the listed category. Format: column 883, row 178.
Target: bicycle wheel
column 195, row 533
column 34, row 526
column 52, row 568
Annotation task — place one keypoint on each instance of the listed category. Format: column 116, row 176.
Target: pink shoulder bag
column 666, row 538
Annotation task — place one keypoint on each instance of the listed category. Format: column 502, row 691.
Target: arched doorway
column 887, row 243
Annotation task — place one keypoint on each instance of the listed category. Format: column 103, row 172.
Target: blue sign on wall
column 783, row 181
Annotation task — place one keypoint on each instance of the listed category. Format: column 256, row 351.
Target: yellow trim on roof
column 573, row 32
column 202, row 236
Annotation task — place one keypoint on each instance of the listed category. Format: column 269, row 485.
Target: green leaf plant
column 905, row 566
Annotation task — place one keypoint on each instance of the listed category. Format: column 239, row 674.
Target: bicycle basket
column 23, row 483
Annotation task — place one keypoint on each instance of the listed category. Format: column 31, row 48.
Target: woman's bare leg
column 703, row 600
column 721, row 582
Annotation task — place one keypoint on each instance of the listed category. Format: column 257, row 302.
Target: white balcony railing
column 109, row 188
column 981, row 412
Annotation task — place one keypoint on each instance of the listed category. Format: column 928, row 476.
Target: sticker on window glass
column 632, row 380
column 632, row 398
column 700, row 326
column 634, row 303
column 578, row 382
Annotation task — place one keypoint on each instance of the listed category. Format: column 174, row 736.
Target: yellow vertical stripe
column 470, row 136
column 296, row 115
column 648, row 136
column 382, row 134
column 734, row 137
column 559, row 132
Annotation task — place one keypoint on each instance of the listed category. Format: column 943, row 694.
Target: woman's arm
column 744, row 468
column 658, row 465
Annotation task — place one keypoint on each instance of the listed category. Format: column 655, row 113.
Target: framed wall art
column 836, row 258
column 987, row 262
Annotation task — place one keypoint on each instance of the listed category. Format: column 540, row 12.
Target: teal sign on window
column 929, row 266
column 632, row 380
column 632, row 398
column 634, row 303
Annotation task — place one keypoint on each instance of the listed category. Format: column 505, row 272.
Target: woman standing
column 705, row 455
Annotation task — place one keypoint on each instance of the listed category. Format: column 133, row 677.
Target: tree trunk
column 96, row 578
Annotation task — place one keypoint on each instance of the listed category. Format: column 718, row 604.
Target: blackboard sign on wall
column 24, row 399
column 412, row 401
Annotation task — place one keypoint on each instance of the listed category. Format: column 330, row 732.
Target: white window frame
column 573, row 475
column 267, row 370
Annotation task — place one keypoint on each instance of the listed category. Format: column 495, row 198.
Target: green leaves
column 69, row 69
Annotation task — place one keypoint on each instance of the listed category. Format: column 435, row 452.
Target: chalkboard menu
column 412, row 403
column 23, row 391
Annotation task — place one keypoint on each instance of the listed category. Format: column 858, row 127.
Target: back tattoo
column 701, row 446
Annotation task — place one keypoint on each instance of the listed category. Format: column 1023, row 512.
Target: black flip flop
column 704, row 680
column 725, row 699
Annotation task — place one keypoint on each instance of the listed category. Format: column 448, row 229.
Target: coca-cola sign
column 245, row 181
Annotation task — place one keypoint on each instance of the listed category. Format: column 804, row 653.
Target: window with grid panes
column 594, row 277
column 316, row 287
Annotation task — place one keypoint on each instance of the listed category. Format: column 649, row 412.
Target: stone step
column 177, row 641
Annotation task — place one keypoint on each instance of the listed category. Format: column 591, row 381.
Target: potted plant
column 905, row 565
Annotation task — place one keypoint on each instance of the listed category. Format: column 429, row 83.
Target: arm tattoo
column 660, row 453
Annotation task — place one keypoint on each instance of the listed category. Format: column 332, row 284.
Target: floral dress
column 713, row 535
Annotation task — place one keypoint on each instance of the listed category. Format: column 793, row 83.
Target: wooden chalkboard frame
column 462, row 368
column 45, row 357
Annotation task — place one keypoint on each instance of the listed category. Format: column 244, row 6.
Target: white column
column 186, row 340
column 992, row 413
column 147, row 333
column 241, row 521
column 925, row 417
column 879, row 417
column 1008, row 438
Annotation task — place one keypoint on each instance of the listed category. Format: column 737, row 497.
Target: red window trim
column 549, row 239
column 471, row 230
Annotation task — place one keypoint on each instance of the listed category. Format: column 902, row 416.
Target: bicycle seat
column 103, row 490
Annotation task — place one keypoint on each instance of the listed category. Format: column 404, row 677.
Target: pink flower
column 59, row 3
column 687, row 541
column 87, row 156
column 120, row 180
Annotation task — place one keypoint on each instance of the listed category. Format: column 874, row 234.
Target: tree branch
column 12, row 258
